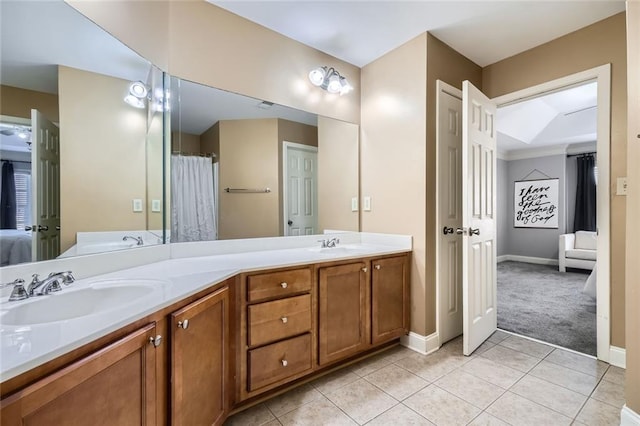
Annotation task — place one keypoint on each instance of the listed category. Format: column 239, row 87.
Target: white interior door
column 479, row 286
column 300, row 189
column 449, row 200
column 45, row 187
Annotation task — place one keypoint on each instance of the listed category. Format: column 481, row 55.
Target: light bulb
column 346, row 86
column 134, row 101
column 317, row 75
column 334, row 85
column 138, row 89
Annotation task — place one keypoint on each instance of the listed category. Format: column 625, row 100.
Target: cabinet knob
column 183, row 324
column 364, row 270
column 284, row 285
column 155, row 340
column 284, row 362
column 284, row 320
column 377, row 266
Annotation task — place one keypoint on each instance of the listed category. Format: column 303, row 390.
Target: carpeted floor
column 540, row 302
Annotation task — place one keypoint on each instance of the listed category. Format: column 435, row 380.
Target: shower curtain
column 192, row 199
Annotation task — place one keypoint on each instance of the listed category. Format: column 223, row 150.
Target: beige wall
column 186, row 143
column 154, row 142
column 249, row 159
column 210, row 141
column 188, row 38
column 338, row 177
column 443, row 63
column 598, row 44
column 633, row 209
column 102, row 155
column 393, row 155
column 16, row 102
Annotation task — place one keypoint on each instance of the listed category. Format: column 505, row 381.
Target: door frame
column 285, row 149
column 601, row 75
column 442, row 88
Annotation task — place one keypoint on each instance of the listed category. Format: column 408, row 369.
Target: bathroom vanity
column 215, row 334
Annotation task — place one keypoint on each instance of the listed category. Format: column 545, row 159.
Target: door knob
column 284, row 285
column 364, row 270
column 284, row 362
column 284, row 320
column 289, row 222
column 57, row 227
column 474, row 231
column 461, row 231
column 183, row 324
column 447, row 230
column 377, row 267
column 28, row 228
column 155, row 341
column 43, row 228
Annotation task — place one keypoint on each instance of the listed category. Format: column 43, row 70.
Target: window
column 23, row 199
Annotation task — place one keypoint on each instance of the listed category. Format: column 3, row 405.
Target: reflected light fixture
column 330, row 80
column 138, row 92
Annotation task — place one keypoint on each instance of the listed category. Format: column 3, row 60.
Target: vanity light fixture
column 138, row 92
column 330, row 80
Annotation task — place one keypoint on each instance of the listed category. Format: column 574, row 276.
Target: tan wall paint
column 393, row 155
column 102, row 153
column 633, row 208
column 337, row 174
column 290, row 131
column 210, row 141
column 188, row 38
column 249, row 159
column 598, row 44
column 443, row 63
column 186, row 143
column 16, row 102
column 154, row 153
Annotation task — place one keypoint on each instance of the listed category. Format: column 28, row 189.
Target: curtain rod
column 582, row 153
column 17, row 161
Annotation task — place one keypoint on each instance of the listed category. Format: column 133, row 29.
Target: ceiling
column 559, row 118
column 361, row 31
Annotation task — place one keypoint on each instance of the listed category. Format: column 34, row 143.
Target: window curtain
column 8, row 198
column 585, row 217
column 192, row 199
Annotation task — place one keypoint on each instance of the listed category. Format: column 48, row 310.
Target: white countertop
column 25, row 347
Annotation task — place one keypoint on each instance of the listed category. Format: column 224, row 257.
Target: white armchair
column 577, row 250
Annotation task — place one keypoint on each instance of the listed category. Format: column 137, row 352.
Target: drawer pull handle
column 284, row 362
column 284, row 285
column 364, row 270
column 377, row 266
column 183, row 324
column 284, row 320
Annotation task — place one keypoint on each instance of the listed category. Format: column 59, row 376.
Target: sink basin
column 70, row 303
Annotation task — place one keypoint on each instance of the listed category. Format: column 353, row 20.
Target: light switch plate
column 367, row 204
column 354, row 204
column 155, row 206
column 137, row 205
column 622, row 186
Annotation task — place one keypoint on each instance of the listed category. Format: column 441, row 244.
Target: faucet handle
column 18, row 292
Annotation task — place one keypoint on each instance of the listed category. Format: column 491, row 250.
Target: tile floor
column 507, row 381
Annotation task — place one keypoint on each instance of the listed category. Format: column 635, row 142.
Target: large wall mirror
column 81, row 168
column 244, row 168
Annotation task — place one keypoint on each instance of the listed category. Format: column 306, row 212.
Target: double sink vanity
column 199, row 330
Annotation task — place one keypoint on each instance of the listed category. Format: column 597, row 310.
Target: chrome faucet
column 138, row 240
column 50, row 284
column 332, row 242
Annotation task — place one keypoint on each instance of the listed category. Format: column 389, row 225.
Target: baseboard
column 527, row 259
column 421, row 344
column 628, row 417
column 617, row 357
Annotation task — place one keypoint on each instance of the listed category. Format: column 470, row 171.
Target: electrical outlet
column 354, row 204
column 155, row 206
column 137, row 205
column 622, row 186
column 367, row 204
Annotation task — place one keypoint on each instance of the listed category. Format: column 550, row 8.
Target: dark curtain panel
column 585, row 218
column 8, row 198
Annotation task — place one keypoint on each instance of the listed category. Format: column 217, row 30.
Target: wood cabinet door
column 343, row 313
column 113, row 386
column 200, row 353
column 389, row 298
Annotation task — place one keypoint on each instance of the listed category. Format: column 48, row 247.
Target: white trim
column 441, row 89
column 421, row 344
column 628, row 417
column 545, row 151
column 618, row 356
column 602, row 75
column 527, row 259
column 285, row 146
column 522, row 336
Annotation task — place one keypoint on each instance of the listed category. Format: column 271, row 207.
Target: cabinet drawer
column 280, row 360
column 271, row 321
column 278, row 284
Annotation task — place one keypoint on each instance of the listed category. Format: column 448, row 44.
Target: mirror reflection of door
column 300, row 189
column 45, row 190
